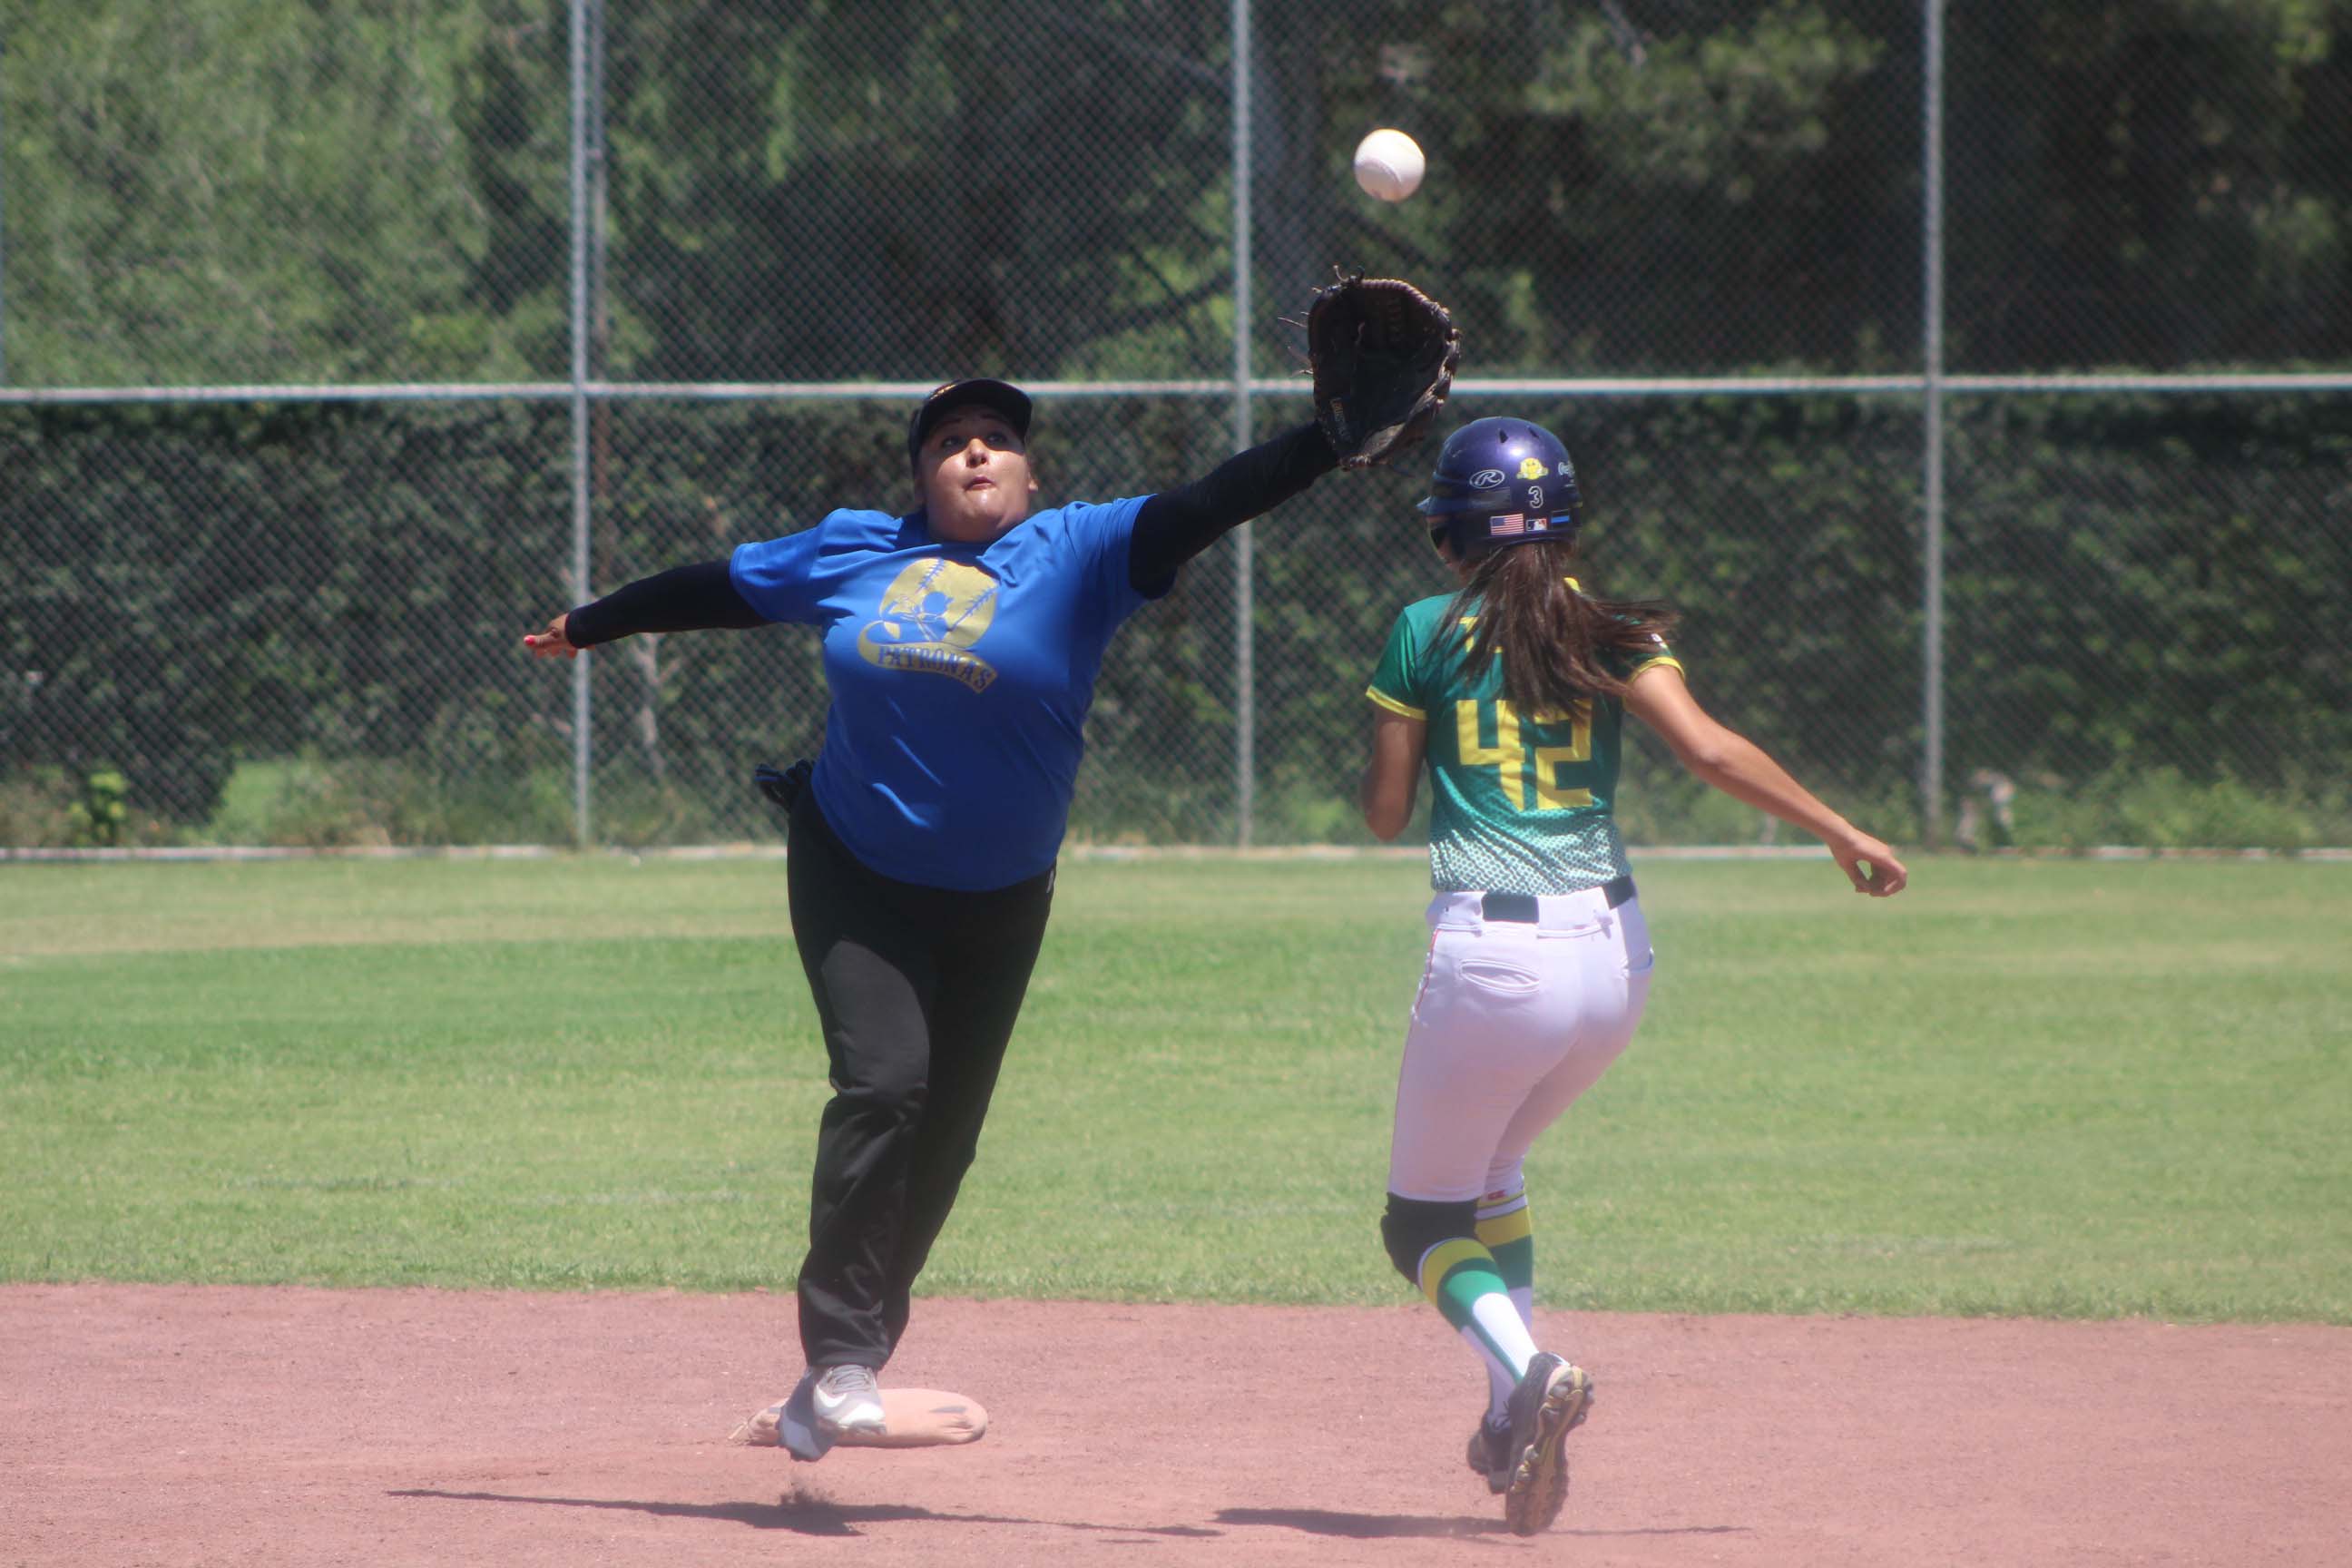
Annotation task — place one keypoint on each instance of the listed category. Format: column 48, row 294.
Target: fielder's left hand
column 1383, row 354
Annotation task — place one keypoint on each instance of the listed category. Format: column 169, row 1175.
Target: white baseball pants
column 1512, row 1023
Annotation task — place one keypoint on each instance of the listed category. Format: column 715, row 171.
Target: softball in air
column 1389, row 165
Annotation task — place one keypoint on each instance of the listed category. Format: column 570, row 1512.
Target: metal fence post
column 580, row 705
column 1244, row 594
column 1931, row 767
column 3, row 208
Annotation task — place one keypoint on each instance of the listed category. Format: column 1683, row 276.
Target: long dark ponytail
column 1552, row 639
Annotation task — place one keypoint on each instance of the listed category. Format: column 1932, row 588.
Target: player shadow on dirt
column 1382, row 1526
column 806, row 1515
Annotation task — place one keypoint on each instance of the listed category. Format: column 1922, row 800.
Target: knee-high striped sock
column 1461, row 1281
column 1507, row 1230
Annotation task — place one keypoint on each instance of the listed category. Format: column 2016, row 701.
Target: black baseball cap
column 999, row 397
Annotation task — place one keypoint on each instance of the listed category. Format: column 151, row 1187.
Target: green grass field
column 2055, row 1087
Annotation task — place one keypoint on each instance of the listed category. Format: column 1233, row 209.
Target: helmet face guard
column 1499, row 482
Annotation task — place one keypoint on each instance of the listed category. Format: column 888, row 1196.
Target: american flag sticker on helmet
column 1506, row 523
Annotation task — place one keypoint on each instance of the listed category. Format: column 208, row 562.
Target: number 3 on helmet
column 1500, row 483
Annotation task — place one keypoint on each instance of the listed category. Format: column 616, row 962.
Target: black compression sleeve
column 683, row 599
column 1176, row 525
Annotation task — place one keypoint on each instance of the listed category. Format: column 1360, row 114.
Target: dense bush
column 2134, row 585
column 321, row 603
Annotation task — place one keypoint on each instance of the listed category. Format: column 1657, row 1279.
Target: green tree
column 275, row 191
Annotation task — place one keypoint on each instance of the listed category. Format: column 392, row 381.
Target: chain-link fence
column 1966, row 382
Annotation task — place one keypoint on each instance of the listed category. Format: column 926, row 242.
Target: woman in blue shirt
column 961, row 644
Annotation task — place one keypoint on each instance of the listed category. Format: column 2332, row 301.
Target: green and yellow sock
column 1461, row 1280
column 1506, row 1229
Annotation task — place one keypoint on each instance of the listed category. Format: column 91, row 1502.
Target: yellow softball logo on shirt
column 933, row 612
column 1531, row 468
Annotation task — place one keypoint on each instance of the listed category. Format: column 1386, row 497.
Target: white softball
column 1389, row 165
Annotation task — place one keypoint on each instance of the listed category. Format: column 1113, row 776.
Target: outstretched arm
column 1383, row 354
column 1739, row 767
column 683, row 599
column 1176, row 525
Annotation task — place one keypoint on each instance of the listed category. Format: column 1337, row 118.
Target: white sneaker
column 846, row 1399
column 797, row 1432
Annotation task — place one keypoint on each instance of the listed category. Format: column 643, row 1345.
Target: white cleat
column 797, row 1432
column 845, row 1399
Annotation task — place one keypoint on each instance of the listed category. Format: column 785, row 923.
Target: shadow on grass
column 805, row 1515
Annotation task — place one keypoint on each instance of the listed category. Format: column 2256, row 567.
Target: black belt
column 1522, row 907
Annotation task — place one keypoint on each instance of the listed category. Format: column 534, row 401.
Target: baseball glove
column 1383, row 354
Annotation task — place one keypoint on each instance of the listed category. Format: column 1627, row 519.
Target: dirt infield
column 262, row 1427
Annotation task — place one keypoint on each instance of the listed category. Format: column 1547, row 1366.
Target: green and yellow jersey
column 1521, row 802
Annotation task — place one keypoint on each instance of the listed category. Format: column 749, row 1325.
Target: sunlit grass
column 2058, row 1088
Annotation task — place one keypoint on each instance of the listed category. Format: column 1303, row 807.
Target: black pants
column 917, row 988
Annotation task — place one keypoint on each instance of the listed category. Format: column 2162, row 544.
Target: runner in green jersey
column 1512, row 694
column 1522, row 801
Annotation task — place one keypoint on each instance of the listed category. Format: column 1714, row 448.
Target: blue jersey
column 960, row 678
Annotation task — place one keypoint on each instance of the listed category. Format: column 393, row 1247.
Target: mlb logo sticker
column 1539, row 525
